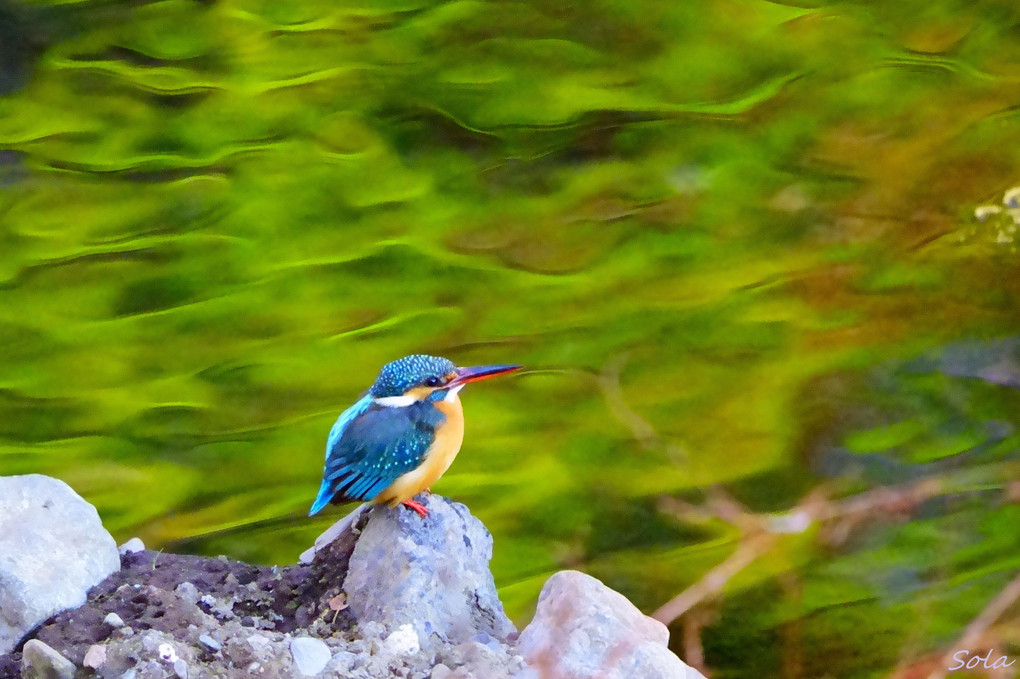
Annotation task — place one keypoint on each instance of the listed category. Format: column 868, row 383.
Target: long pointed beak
column 481, row 372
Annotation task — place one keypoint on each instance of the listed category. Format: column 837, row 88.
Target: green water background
column 733, row 242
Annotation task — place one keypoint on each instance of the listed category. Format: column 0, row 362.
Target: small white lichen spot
column 1012, row 197
column 983, row 212
column 167, row 653
column 403, row 641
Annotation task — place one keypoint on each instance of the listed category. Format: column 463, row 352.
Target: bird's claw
column 422, row 512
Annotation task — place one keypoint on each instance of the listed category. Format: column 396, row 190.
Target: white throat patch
column 396, row 401
column 405, row 400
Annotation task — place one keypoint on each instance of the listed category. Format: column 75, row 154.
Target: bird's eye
column 433, row 382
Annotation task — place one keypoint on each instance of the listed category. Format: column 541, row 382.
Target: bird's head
column 419, row 378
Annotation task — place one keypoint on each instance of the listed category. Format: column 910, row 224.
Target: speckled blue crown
column 398, row 376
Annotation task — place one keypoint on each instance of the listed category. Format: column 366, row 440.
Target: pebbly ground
column 168, row 615
column 384, row 593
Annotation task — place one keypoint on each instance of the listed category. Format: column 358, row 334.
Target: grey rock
column 583, row 629
column 53, row 548
column 188, row 592
column 209, row 642
column 343, row 663
column 150, row 654
column 151, row 669
column 333, row 532
column 528, row 673
column 432, row 574
column 486, row 640
column 39, row 661
column 475, row 659
column 310, row 655
column 261, row 647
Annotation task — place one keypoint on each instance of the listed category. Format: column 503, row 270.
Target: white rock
column 39, row 661
column 188, row 592
column 95, row 657
column 167, row 653
column 403, row 641
column 310, row 655
column 583, row 629
column 53, row 548
column 441, row 671
column 131, row 546
column 113, row 620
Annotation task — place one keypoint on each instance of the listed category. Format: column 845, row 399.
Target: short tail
column 322, row 499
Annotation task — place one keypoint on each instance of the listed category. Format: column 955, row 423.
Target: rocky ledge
column 382, row 594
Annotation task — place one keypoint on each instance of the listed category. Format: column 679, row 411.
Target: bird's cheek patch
column 419, row 393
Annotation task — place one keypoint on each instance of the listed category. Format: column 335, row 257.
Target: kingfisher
column 402, row 435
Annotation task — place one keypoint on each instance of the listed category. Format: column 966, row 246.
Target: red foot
column 422, row 512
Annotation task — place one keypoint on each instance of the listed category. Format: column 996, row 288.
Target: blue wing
column 374, row 446
column 339, row 427
column 345, row 419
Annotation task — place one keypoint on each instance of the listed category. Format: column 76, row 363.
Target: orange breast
column 449, row 438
